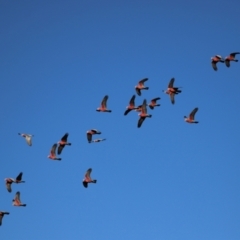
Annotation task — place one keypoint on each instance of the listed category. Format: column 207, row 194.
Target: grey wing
column 88, row 173
column 172, row 98
column 29, row 140
column 214, row 66
column 132, row 100
column 144, row 106
column 89, row 137
column 138, row 91
column 170, row 85
column 64, row 138
column 1, row 217
column 234, row 53
column 104, row 101
column 143, row 80
column 127, row 111
column 53, row 149
column 19, row 177
column 192, row 114
column 140, row 121
column 8, row 186
column 17, row 196
column 227, row 62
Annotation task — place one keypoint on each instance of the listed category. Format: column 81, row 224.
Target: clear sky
column 167, row 180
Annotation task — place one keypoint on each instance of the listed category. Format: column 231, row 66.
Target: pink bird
column 215, row 60
column 17, row 201
column 190, row 119
column 9, row 181
column 98, row 140
column 231, row 57
column 103, row 107
column 90, row 133
column 171, row 90
column 88, row 179
column 2, row 215
column 141, row 86
column 63, row 143
column 131, row 105
column 28, row 138
column 53, row 153
column 143, row 113
column 153, row 103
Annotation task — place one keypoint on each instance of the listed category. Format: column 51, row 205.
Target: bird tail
column 236, row 60
column 158, row 105
column 94, row 181
column 196, row 122
column 24, row 205
column 146, row 88
column 150, row 115
column 59, row 159
column 69, row 144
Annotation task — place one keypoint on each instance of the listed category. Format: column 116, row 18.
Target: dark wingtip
column 94, row 181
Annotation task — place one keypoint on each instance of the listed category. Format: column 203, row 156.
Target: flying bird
column 53, row 153
column 215, row 60
column 153, row 103
column 143, row 113
column 90, row 133
column 98, row 140
column 103, row 107
column 2, row 215
column 17, row 201
column 62, row 143
column 171, row 90
column 131, row 105
column 87, row 179
column 28, row 138
column 190, row 119
column 141, row 86
column 231, row 57
column 9, row 181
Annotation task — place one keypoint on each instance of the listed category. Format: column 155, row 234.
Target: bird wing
column 170, row 85
column 89, row 137
column 28, row 140
column 85, row 184
column 141, row 82
column 214, row 65
column 234, row 53
column 144, row 106
column 227, row 62
column 1, row 217
column 53, row 149
column 132, row 101
column 192, row 114
column 154, row 100
column 104, row 102
column 172, row 97
column 140, row 121
column 60, row 148
column 138, row 91
column 8, row 186
column 19, row 177
column 17, row 197
column 64, row 138
column 127, row 111
column 88, row 173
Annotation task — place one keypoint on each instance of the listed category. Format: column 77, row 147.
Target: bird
column 53, row 153
column 171, row 90
column 98, row 140
column 141, row 86
column 215, row 60
column 62, row 143
column 87, row 179
column 131, row 105
column 9, row 181
column 17, row 201
column 103, row 107
column 2, row 215
column 90, row 133
column 190, row 119
column 153, row 103
column 143, row 113
column 231, row 57
column 28, row 138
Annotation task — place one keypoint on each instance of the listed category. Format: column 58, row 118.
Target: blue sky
column 167, row 180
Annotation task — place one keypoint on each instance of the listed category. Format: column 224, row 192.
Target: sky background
column 167, row 180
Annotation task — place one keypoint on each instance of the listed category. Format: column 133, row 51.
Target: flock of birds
column 171, row 91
